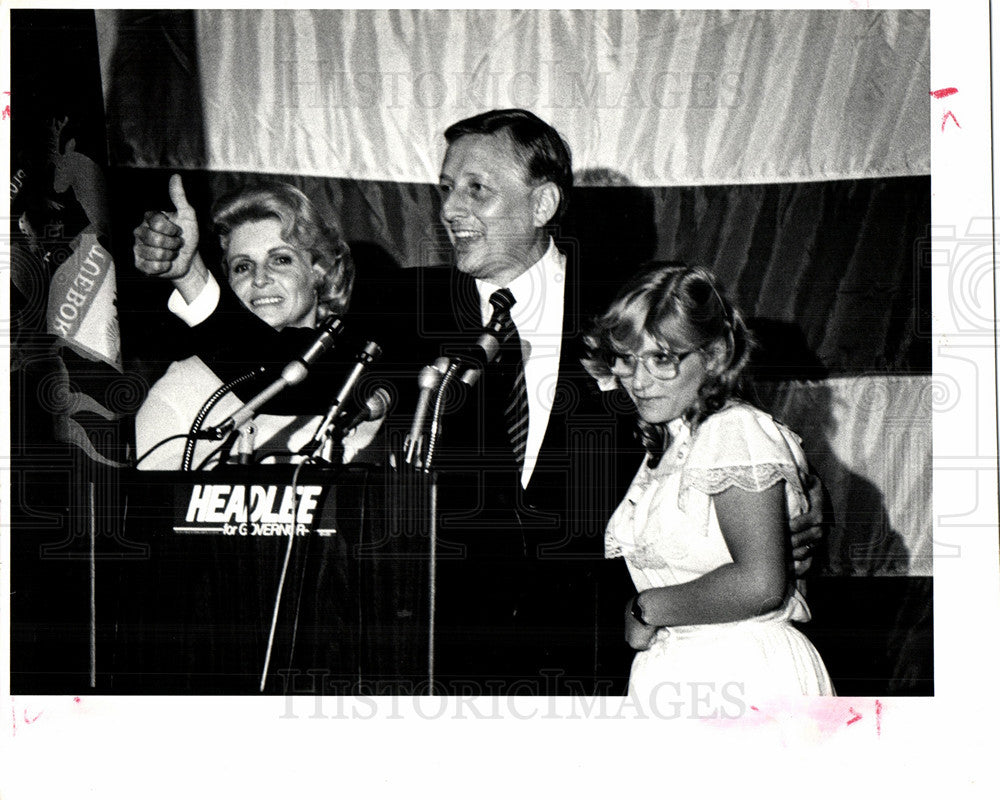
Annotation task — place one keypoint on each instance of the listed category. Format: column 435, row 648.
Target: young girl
column 703, row 526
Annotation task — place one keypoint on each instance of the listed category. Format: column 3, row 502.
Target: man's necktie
column 512, row 368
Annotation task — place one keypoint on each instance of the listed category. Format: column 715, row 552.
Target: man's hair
column 538, row 146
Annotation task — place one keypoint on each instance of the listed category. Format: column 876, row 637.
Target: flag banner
column 70, row 395
column 66, row 337
column 82, row 302
column 82, row 292
column 665, row 98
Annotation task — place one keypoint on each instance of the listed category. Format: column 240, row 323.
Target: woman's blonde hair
column 301, row 227
column 682, row 308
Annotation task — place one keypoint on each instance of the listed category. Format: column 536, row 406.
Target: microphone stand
column 451, row 369
column 432, row 577
column 435, row 428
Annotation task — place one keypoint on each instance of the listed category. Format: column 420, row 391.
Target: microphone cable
column 281, row 580
column 443, row 388
column 207, row 406
column 157, row 446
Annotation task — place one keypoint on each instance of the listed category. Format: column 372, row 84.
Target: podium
column 185, row 570
column 160, row 583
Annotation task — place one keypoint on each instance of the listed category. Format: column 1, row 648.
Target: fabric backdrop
column 788, row 151
column 659, row 97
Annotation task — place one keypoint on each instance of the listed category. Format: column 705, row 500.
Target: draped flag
column 81, row 308
column 66, row 333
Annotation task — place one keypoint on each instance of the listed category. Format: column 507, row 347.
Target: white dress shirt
column 538, row 316
column 199, row 309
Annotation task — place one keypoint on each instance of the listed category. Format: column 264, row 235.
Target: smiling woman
column 275, row 281
column 285, row 264
column 288, row 267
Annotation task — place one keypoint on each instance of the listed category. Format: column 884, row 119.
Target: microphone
column 368, row 353
column 428, row 380
column 474, row 358
column 328, row 333
column 293, row 373
column 332, row 448
column 244, row 445
column 483, row 352
column 375, row 407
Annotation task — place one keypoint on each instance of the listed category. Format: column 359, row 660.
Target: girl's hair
column 301, row 227
column 681, row 308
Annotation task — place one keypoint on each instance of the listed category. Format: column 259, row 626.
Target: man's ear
column 545, row 200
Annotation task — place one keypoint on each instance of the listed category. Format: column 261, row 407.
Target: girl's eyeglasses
column 661, row 365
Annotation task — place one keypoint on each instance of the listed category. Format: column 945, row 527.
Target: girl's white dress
column 668, row 533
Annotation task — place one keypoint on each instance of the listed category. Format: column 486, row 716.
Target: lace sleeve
column 744, row 447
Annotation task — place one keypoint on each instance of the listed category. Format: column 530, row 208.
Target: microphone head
column 429, row 378
column 379, row 403
column 331, row 324
column 329, row 330
column 490, row 345
column 375, row 407
column 370, row 352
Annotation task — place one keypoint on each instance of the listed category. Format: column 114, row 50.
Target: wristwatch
column 636, row 611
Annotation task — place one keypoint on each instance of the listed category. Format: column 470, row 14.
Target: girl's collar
column 676, row 426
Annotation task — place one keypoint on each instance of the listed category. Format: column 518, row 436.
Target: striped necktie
column 512, row 367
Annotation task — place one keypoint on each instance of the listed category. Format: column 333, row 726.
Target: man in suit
column 519, row 573
column 532, row 454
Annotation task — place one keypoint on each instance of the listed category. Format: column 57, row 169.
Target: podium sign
column 193, row 603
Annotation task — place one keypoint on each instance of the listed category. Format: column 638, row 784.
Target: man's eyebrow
column 479, row 175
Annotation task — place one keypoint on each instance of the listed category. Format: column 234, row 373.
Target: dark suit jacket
column 525, row 598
